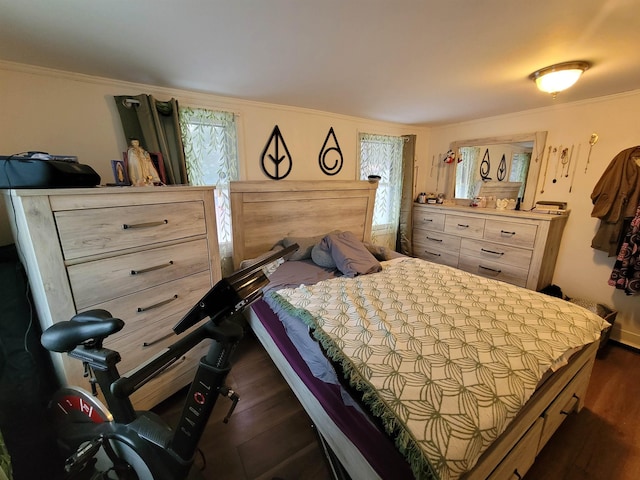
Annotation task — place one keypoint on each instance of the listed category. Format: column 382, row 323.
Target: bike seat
column 93, row 325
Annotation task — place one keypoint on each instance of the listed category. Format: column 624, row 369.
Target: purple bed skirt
column 376, row 447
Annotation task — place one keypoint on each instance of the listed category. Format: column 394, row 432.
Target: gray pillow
column 350, row 255
column 382, row 253
column 321, row 256
column 306, row 245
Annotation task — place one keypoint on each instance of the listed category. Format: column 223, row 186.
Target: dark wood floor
column 270, row 436
column 602, row 442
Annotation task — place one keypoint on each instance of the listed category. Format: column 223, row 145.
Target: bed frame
column 265, row 212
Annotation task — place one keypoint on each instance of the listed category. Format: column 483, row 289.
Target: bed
column 369, row 439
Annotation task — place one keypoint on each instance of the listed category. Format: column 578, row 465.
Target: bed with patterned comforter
column 444, row 358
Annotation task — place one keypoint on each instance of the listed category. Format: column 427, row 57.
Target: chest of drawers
column 516, row 247
column 145, row 254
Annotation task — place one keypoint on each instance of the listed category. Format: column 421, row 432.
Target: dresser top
column 512, row 214
column 101, row 190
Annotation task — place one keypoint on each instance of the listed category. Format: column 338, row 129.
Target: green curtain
column 405, row 225
column 157, row 125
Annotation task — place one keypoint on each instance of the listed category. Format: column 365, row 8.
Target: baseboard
column 625, row 337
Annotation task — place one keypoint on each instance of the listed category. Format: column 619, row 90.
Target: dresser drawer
column 102, row 280
column 104, row 230
column 491, row 269
column 569, row 401
column 435, row 255
column 150, row 316
column 511, row 233
column 437, row 240
column 521, row 457
column 428, row 219
column 496, row 252
column 436, row 247
column 466, row 226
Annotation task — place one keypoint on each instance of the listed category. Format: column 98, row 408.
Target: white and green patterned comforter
column 445, row 358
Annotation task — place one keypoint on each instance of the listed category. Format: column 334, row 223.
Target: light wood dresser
column 513, row 246
column 145, row 254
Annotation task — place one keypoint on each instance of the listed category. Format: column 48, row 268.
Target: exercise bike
column 117, row 442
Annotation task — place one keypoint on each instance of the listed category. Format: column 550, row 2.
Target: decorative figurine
column 141, row 169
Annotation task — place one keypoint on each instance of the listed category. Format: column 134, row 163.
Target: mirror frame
column 539, row 140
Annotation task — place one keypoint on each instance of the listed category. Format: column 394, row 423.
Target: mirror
column 500, row 160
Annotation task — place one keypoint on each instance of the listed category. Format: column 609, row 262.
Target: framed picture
column 120, row 174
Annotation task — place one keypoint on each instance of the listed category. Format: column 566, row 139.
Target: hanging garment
column 615, row 198
column 626, row 270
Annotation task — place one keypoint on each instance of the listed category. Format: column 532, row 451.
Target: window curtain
column 467, row 172
column 381, row 155
column 156, row 124
column 405, row 224
column 520, row 169
column 211, row 154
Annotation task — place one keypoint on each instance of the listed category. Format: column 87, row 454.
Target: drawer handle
column 433, row 239
column 518, row 476
column 491, row 251
column 504, row 232
column 127, row 226
column 151, row 269
column 461, row 225
column 431, row 253
column 156, row 305
column 427, row 220
column 157, row 340
column 490, row 269
column 570, row 407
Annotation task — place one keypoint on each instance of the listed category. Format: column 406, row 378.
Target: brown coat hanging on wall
column 615, row 198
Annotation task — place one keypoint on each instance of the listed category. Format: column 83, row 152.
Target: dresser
column 512, row 246
column 145, row 254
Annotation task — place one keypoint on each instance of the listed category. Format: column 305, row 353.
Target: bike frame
column 149, row 443
column 171, row 451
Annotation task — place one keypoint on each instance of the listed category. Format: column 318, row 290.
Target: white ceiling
column 408, row 61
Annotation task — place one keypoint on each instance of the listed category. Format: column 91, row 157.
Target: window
column 381, row 155
column 211, row 155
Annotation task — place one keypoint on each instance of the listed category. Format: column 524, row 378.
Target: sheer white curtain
column 520, row 169
column 381, row 155
column 467, row 172
column 211, row 154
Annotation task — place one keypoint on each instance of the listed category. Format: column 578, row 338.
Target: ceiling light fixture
column 558, row 77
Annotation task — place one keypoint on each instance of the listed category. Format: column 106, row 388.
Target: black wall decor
column 502, row 168
column 324, row 152
column 485, row 166
column 277, row 166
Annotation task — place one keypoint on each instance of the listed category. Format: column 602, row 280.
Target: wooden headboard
column 264, row 212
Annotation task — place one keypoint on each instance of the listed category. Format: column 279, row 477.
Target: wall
column 581, row 271
column 65, row 113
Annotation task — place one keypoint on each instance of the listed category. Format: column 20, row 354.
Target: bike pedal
column 85, row 453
